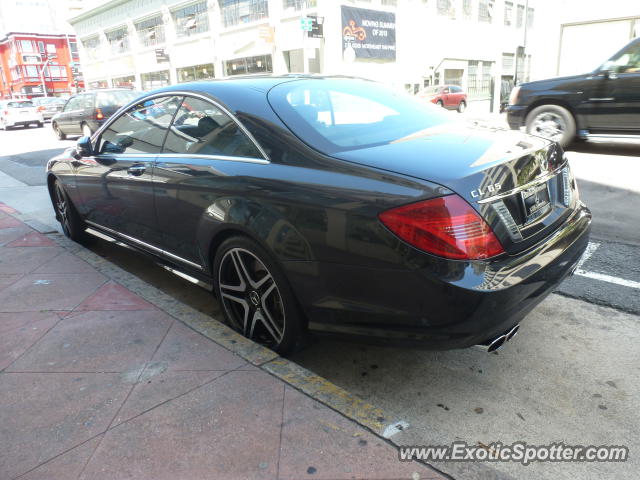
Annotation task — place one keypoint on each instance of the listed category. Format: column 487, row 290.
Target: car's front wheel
column 59, row 133
column 553, row 122
column 71, row 223
column 439, row 103
column 255, row 295
column 462, row 106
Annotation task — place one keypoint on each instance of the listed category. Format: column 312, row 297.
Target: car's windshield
column 334, row 115
column 23, row 104
column 115, row 98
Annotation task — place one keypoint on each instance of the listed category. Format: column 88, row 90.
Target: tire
column 439, row 103
column 3, row 124
column 255, row 296
column 462, row 106
column 552, row 122
column 59, row 133
column 40, row 124
column 86, row 130
column 72, row 225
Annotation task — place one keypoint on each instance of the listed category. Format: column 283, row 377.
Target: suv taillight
column 445, row 226
column 99, row 114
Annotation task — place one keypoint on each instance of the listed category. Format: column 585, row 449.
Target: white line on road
column 591, row 248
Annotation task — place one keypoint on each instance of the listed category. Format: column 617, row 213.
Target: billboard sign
column 368, row 34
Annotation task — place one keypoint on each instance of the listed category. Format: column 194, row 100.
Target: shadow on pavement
column 627, row 149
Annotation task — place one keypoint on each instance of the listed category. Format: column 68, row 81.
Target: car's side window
column 200, row 128
column 72, row 104
column 140, row 129
column 87, row 101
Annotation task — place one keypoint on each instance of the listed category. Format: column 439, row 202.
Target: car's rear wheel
column 553, row 122
column 255, row 295
column 40, row 124
column 59, row 133
column 462, row 106
column 86, row 130
column 72, row 225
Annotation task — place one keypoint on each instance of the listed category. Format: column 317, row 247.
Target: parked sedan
column 14, row 113
column 84, row 113
column 451, row 97
column 331, row 204
column 49, row 106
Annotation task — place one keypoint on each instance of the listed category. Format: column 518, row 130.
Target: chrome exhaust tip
column 498, row 342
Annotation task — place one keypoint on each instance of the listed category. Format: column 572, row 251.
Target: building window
column 508, row 13
column 485, row 11
column 241, row 66
column 73, row 46
column 236, row 12
column 530, row 17
column 26, row 46
column 299, row 4
column 31, row 73
column 92, row 47
column 155, row 80
column 197, row 72
column 520, row 16
column 151, row 31
column 118, row 40
column 446, row 9
column 191, row 20
column 124, row 82
column 507, row 63
column 467, row 9
column 41, row 48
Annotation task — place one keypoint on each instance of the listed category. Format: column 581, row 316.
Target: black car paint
column 600, row 102
column 317, row 215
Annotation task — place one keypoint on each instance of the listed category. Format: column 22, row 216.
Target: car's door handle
column 136, row 170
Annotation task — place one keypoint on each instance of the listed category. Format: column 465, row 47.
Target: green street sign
column 306, row 24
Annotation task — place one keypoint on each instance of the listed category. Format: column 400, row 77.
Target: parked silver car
column 49, row 106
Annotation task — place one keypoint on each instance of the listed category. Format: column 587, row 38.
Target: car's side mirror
column 84, row 147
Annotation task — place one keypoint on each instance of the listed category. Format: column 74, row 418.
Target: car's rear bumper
column 455, row 305
column 516, row 116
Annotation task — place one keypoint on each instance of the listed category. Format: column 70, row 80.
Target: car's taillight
column 6, row 112
column 41, row 108
column 445, row 226
column 513, row 97
column 99, row 115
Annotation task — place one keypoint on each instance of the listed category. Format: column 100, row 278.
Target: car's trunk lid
column 519, row 183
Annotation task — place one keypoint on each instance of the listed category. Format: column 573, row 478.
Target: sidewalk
column 98, row 383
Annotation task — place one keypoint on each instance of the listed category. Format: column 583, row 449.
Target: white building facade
column 406, row 43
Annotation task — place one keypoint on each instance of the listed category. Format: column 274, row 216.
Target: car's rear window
column 19, row 104
column 334, row 115
column 115, row 98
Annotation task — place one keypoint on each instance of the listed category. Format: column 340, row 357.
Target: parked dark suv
column 84, row 113
column 603, row 103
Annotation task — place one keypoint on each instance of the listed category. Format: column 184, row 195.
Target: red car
column 451, row 97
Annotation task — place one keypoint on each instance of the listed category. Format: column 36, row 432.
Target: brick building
column 27, row 60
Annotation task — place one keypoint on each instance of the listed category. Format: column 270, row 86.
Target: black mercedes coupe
column 333, row 205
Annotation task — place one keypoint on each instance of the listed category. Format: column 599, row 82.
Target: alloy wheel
column 549, row 125
column 63, row 209
column 250, row 297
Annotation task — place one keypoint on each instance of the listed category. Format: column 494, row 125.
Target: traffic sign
column 306, row 24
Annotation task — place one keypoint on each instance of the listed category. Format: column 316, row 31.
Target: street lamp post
column 44, row 86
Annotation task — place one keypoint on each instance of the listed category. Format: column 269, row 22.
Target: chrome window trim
column 183, row 93
column 146, row 245
column 213, row 157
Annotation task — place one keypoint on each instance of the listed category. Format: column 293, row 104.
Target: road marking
column 590, row 250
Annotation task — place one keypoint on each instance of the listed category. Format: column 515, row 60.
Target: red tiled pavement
column 112, row 296
column 31, row 239
column 97, row 383
column 9, row 222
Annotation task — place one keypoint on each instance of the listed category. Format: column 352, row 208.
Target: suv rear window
column 19, row 104
column 116, row 98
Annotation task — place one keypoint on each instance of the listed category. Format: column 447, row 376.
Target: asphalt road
column 570, row 375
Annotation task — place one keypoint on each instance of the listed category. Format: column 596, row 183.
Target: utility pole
column 44, row 86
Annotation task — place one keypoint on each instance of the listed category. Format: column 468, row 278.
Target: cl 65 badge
column 480, row 192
